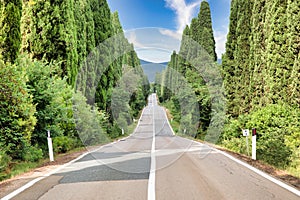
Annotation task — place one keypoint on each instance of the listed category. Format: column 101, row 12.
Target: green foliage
column 262, row 55
column 50, row 34
column 10, row 34
column 32, row 153
column 4, row 163
column 17, row 118
column 236, row 144
column 261, row 70
column 205, row 32
column 114, row 130
column 90, row 123
column 235, row 60
column 53, row 99
column 62, row 144
column 54, row 38
column 277, row 127
column 102, row 20
column 197, row 46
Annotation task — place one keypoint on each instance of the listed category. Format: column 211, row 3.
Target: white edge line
column 259, row 172
column 169, row 122
column 31, row 183
column 165, row 112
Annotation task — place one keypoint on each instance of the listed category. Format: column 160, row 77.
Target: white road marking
column 257, row 171
column 261, row 173
column 165, row 112
column 31, row 183
column 151, row 181
column 34, row 181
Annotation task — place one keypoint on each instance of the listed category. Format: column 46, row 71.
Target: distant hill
column 150, row 69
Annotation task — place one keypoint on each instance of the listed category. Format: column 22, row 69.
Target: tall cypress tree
column 102, row 20
column 293, row 16
column 241, row 55
column 206, row 35
column 257, row 61
column 278, row 64
column 228, row 59
column 199, row 34
column 50, row 34
column 90, row 27
column 184, row 46
column 80, row 21
column 103, row 30
column 184, row 50
column 10, row 34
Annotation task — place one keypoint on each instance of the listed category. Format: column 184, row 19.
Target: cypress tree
column 279, row 65
column 90, row 26
column 241, row 98
column 293, row 16
column 184, row 49
column 102, row 20
column 228, row 59
column 10, row 34
column 206, row 35
column 80, row 20
column 103, row 30
column 200, row 32
column 257, row 56
column 50, row 34
column 184, row 46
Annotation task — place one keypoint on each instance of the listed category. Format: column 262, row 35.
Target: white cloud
column 154, row 44
column 170, row 33
column 220, row 38
column 184, row 12
column 132, row 38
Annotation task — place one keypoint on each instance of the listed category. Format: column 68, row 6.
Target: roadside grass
column 21, row 167
column 17, row 168
column 294, row 169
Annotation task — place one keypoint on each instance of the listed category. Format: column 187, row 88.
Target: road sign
column 246, row 132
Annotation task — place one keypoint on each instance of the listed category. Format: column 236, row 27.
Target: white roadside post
column 254, row 144
column 122, row 131
column 246, row 134
column 50, row 147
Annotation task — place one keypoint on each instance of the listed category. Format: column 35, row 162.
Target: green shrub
column 275, row 125
column 62, row 144
column 4, row 163
column 114, row 131
column 32, row 153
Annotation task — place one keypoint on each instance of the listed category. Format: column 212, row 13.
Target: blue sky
column 168, row 17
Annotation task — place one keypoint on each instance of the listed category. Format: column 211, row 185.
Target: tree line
column 261, row 78
column 260, row 75
column 51, row 77
column 182, row 84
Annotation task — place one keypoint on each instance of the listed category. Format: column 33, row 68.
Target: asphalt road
column 154, row 164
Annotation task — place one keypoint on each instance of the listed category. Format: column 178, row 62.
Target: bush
column 275, row 125
column 32, row 153
column 4, row 164
column 114, row 131
column 62, row 144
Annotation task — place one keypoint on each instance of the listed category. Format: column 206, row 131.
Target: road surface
column 154, row 164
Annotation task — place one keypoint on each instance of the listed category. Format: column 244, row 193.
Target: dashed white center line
column 151, row 181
